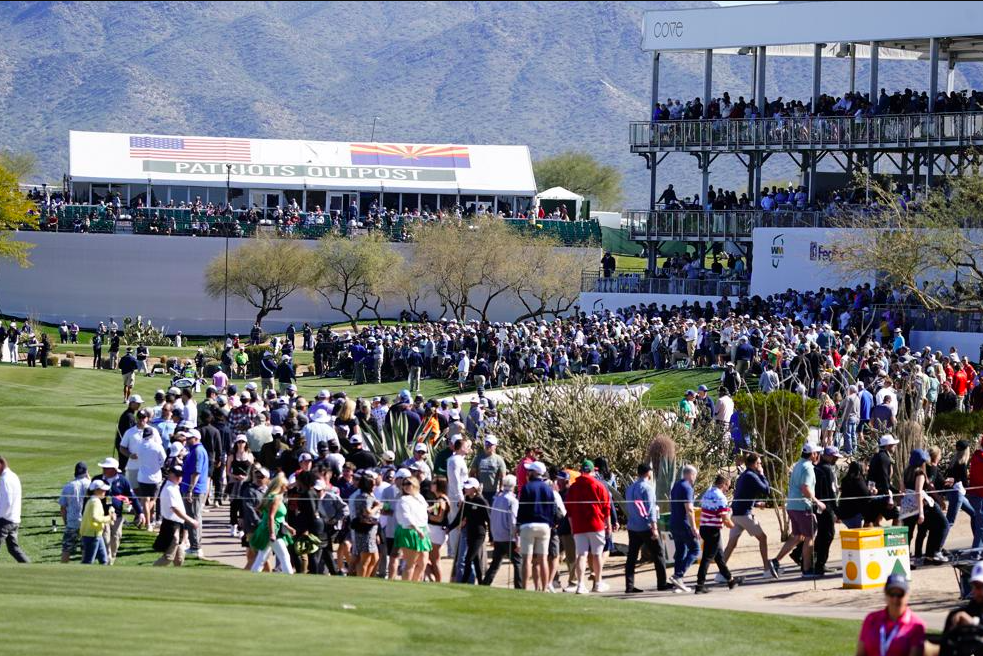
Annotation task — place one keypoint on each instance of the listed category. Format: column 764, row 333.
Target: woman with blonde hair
column 827, row 417
column 273, row 533
column 346, row 424
column 412, row 536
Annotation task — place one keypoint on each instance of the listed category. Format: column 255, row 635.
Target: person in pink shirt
column 895, row 630
column 220, row 380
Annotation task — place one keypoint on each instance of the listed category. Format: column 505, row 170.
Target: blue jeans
column 957, row 501
column 687, row 551
column 459, row 562
column 94, row 549
column 850, row 435
column 977, row 504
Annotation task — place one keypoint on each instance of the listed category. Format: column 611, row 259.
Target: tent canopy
column 559, row 193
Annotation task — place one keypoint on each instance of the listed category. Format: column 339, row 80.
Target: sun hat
column 887, row 440
column 109, row 463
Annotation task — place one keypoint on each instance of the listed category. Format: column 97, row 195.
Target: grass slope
column 228, row 611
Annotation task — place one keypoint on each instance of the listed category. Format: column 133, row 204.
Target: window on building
column 317, row 199
column 390, row 201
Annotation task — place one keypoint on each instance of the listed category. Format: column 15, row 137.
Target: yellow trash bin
column 870, row 555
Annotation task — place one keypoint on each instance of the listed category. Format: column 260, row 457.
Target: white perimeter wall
column 940, row 340
column 89, row 278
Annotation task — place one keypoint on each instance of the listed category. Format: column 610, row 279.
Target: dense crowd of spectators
column 854, row 104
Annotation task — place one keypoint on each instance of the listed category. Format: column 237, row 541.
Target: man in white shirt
column 457, row 473
column 723, row 410
column 176, row 520
column 319, row 431
column 150, row 456
column 10, row 506
column 190, row 411
column 463, row 369
column 130, row 444
column 690, row 336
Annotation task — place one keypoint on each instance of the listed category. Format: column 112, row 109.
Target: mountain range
column 553, row 75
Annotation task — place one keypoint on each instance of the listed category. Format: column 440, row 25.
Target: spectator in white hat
column 318, row 430
column 94, row 520
column 801, row 500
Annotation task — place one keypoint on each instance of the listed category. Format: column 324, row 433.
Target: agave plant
column 394, row 437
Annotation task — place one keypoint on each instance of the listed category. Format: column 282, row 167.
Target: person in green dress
column 412, row 536
column 273, row 533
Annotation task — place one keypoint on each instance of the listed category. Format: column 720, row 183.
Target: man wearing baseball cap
column 119, row 488
column 71, row 502
column 537, row 513
column 880, row 472
column 418, row 461
column 827, row 488
column 489, row 469
column 800, row 501
column 589, row 507
column 176, row 521
column 126, row 421
column 194, row 487
column 970, row 612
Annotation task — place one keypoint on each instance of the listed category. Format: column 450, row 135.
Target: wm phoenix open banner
column 447, row 168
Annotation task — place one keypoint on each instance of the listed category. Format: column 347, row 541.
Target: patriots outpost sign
column 254, row 162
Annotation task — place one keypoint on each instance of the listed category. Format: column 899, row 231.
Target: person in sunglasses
column 895, row 630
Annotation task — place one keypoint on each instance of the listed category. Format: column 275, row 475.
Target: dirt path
column 934, row 589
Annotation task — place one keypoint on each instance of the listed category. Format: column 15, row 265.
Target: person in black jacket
column 880, row 472
column 285, row 374
column 128, row 367
column 251, row 493
column 475, row 522
column 826, row 489
column 267, row 370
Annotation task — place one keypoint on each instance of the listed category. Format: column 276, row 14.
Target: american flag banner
column 445, row 157
column 190, row 148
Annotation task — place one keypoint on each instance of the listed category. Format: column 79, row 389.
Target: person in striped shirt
column 714, row 514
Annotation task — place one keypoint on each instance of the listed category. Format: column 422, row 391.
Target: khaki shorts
column 589, row 543
column 746, row 523
column 129, row 378
column 534, row 539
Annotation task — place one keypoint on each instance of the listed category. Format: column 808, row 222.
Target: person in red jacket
column 589, row 509
column 960, row 385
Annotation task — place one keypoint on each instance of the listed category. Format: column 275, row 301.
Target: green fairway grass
column 65, row 609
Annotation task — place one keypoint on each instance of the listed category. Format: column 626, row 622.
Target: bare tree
column 352, row 275
column 550, row 284
column 262, row 272
column 931, row 250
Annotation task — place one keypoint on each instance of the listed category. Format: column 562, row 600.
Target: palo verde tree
column 468, row 266
column 15, row 212
column 582, row 174
column 352, row 275
column 930, row 250
column 263, row 272
column 550, row 281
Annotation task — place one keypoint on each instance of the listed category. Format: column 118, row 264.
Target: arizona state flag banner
column 442, row 157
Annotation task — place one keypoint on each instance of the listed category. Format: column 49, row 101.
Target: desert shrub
column 572, row 422
column 67, row 362
column 777, row 425
column 211, row 366
column 52, row 360
column 963, row 424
